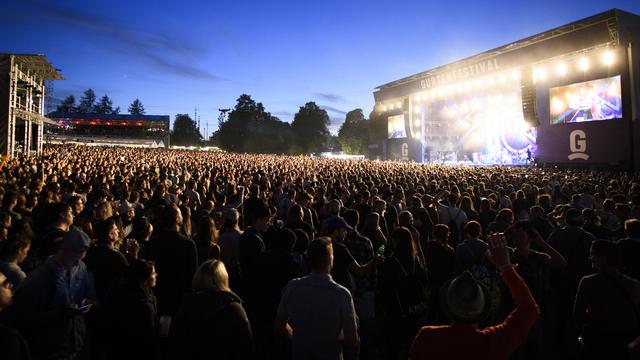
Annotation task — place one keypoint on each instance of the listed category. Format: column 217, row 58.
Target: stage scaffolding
column 22, row 101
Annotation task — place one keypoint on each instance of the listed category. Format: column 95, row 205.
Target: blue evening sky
column 179, row 55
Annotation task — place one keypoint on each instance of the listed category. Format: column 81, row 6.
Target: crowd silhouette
column 122, row 253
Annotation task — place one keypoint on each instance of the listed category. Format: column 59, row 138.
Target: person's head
column 472, row 230
column 333, row 207
column 379, row 206
column 6, row 292
column 211, row 275
column 338, row 228
column 465, row 300
column 171, row 218
column 73, row 248
column 206, row 231
column 604, row 255
column 320, row 254
column 573, row 217
column 302, row 241
column 590, row 217
column 632, row 228
column 15, row 249
column 485, row 205
column 10, row 200
column 521, row 234
column 106, row 231
column 466, row 204
column 141, row 229
column 402, row 242
column 126, row 210
column 505, row 216
column 537, row 212
column 295, row 213
column 352, row 217
column 262, row 218
column 230, row 218
column 372, row 221
column 143, row 272
column 405, row 218
column 284, row 241
column 77, row 203
column 441, row 233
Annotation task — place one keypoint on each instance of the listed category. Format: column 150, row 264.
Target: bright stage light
column 562, row 69
column 515, row 75
column 490, row 81
column 479, row 84
column 541, row 74
column 384, row 107
column 502, row 78
column 608, row 58
column 468, row 86
column 583, row 64
column 399, row 104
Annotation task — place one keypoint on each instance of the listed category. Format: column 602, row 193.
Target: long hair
column 211, row 275
column 207, row 233
column 403, row 242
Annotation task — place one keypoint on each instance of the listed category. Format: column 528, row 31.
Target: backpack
column 412, row 294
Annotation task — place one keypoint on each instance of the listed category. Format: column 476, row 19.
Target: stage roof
column 610, row 15
column 37, row 64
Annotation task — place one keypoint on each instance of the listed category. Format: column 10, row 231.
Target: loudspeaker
column 528, row 93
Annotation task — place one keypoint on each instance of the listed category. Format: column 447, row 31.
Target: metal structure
column 23, row 86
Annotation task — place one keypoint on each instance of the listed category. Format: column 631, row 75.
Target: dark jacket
column 176, row 260
column 211, row 324
column 133, row 322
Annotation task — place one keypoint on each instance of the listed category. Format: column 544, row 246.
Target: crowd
column 119, row 253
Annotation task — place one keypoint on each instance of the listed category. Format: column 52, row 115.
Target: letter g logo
column 578, row 145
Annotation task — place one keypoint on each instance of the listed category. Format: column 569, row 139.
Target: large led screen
column 586, row 101
column 396, row 127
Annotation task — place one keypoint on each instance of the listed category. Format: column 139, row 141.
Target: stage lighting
column 502, row 78
column 399, row 105
column 608, row 58
column 515, row 75
column 583, row 64
column 479, row 84
column 417, row 110
column 384, row 108
column 468, row 86
column 490, row 81
column 541, row 74
column 562, row 69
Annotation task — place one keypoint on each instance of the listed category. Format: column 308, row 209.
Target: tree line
column 250, row 128
column 89, row 105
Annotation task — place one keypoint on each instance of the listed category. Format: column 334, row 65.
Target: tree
column 354, row 132
column 136, row 108
column 104, row 106
column 250, row 128
column 86, row 102
column 116, row 110
column 310, row 127
column 185, row 131
column 67, row 105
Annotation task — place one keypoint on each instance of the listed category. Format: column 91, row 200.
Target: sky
column 176, row 56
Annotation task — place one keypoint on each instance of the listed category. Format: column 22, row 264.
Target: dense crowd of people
column 121, row 253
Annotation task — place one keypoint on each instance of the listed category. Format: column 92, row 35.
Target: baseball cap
column 76, row 240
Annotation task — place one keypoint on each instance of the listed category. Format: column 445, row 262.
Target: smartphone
column 85, row 307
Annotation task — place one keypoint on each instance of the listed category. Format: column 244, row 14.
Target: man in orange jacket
column 468, row 303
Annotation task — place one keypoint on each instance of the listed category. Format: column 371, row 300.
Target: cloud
column 168, row 52
column 333, row 110
column 330, row 97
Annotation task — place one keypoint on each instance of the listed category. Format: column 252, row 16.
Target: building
column 565, row 96
column 109, row 129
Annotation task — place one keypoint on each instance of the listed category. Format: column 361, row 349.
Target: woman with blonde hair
column 211, row 322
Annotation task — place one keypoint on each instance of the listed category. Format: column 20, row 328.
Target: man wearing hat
column 50, row 304
column 467, row 303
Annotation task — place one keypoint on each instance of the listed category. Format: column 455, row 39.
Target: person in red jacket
column 467, row 303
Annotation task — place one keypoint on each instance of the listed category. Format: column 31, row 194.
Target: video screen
column 586, row 101
column 396, row 127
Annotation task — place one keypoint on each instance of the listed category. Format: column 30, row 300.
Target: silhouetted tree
column 185, row 131
column 136, row 108
column 250, row 128
column 68, row 105
column 354, row 132
column 310, row 128
column 104, row 106
column 87, row 102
